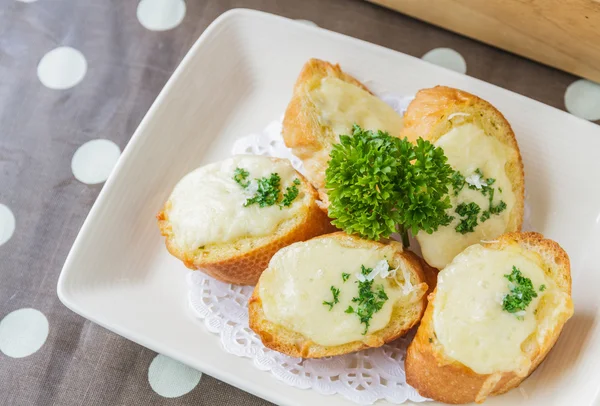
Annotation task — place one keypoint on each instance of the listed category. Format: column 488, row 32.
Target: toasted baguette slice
column 455, row 358
column 474, row 136
column 207, row 226
column 295, row 310
column 326, row 103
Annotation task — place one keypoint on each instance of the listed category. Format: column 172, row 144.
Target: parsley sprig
column 521, row 293
column 336, row 297
column 378, row 184
column 368, row 302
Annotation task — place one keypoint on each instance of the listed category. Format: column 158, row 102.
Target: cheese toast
column 487, row 195
column 496, row 312
column 337, row 294
column 229, row 218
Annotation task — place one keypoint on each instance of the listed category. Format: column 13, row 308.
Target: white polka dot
column 160, row 15
column 447, row 58
column 62, row 68
column 23, row 332
column 7, row 224
column 308, row 22
column 582, row 99
column 93, row 161
column 170, row 378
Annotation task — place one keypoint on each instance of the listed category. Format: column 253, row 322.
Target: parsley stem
column 404, row 233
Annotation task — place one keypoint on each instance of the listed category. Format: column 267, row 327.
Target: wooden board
column 564, row 34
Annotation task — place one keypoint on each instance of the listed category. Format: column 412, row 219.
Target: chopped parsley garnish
column 458, row 182
column 368, row 302
column 267, row 189
column 240, row 175
column 468, row 213
column 345, row 276
column 497, row 209
column 336, row 294
column 477, row 181
column 291, row 192
column 500, row 189
column 267, row 193
column 430, row 340
column 378, row 185
column 521, row 292
column 542, row 288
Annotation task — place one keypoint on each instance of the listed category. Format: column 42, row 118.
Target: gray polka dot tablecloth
column 76, row 78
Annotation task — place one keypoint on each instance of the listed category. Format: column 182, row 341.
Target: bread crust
column 243, row 267
column 301, row 129
column 281, row 339
column 436, row 376
column 427, row 117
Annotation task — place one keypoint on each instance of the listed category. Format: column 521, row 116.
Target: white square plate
column 237, row 78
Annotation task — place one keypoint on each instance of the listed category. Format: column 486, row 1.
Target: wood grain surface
column 564, row 34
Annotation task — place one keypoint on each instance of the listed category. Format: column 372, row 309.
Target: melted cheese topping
column 341, row 105
column 468, row 318
column 207, row 205
column 469, row 148
column 299, row 278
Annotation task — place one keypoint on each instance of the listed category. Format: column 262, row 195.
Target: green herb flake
column 469, row 213
column 240, row 175
column 291, row 192
column 267, row 193
column 378, row 185
column 458, row 182
column 345, row 276
column 368, row 301
column 430, row 340
column 521, row 292
column 336, row 297
column 499, row 208
column 542, row 288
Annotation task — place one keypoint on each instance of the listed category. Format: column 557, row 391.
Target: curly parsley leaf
column 336, row 294
column 345, row 276
column 378, row 184
column 521, row 292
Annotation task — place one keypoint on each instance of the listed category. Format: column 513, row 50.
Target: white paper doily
column 363, row 377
